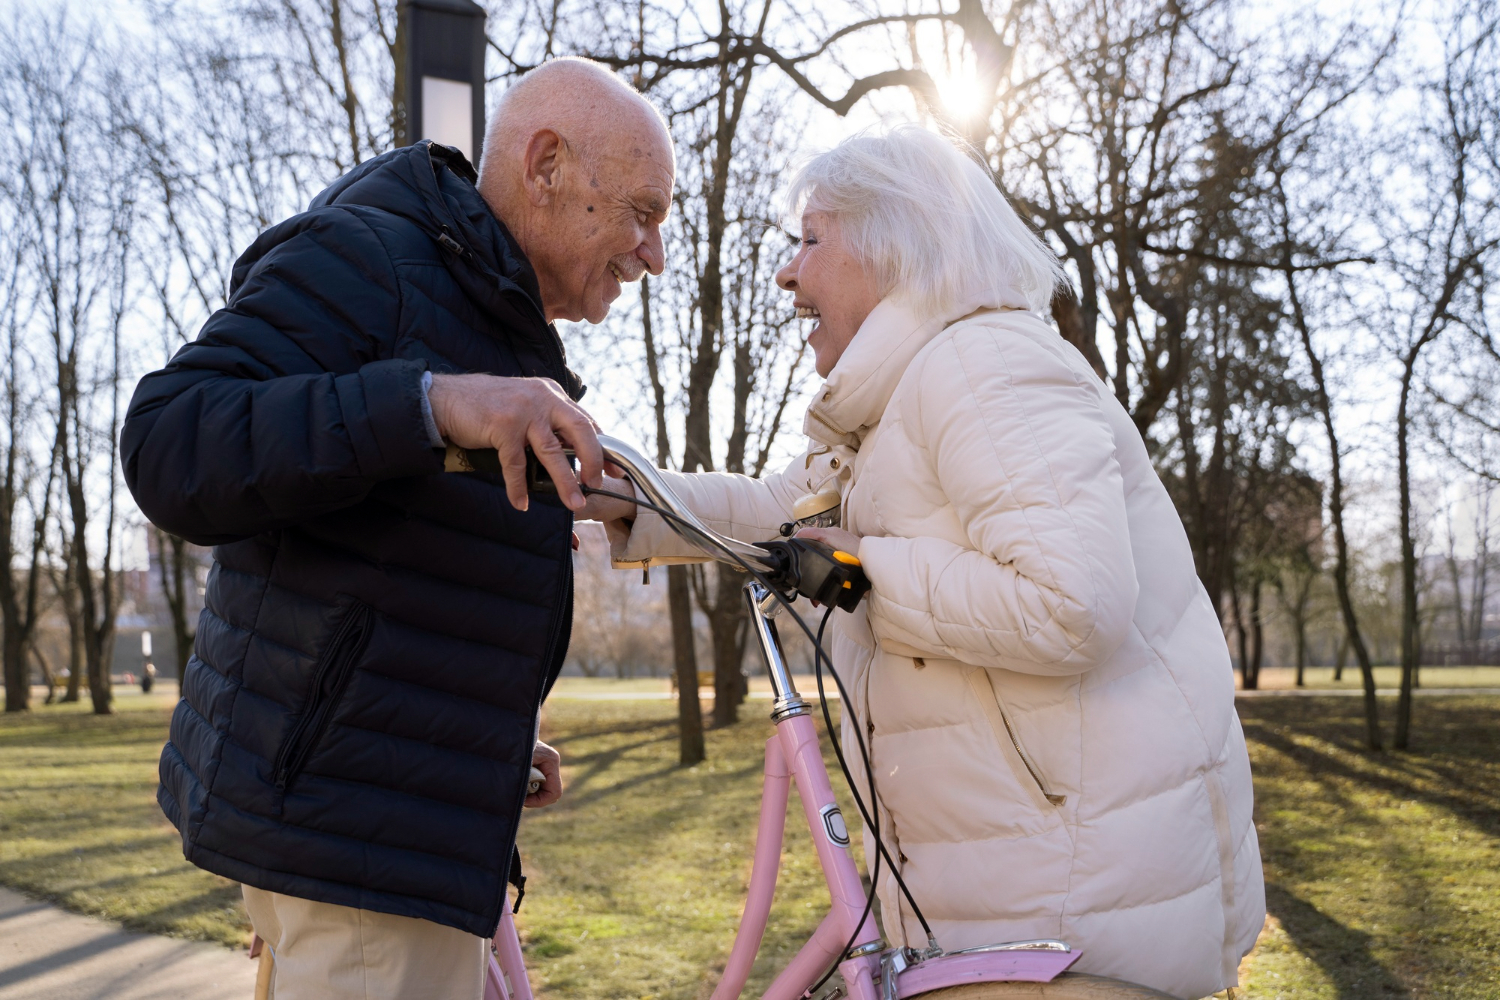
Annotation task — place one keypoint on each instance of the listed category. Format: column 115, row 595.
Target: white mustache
column 631, row 268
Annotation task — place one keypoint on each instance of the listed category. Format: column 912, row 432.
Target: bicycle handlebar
column 646, row 478
column 801, row 565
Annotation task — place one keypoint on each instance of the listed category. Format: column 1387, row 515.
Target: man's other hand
column 549, row 762
column 508, row 414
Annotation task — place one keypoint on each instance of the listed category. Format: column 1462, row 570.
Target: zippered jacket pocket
column 1005, row 731
column 330, row 677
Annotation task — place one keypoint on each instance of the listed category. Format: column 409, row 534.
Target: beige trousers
column 321, row 951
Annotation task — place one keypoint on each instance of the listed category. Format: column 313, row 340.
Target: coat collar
column 856, row 392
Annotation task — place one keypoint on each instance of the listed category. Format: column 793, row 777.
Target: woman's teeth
column 807, row 312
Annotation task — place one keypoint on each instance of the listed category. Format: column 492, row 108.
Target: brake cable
column 820, row 656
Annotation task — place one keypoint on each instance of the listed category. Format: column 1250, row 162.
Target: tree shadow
column 1341, row 952
column 1433, row 778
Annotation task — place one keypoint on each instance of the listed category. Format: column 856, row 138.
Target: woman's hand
column 549, row 762
column 598, row 508
column 841, row 540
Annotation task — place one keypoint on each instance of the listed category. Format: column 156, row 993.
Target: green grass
column 79, row 823
column 1383, row 871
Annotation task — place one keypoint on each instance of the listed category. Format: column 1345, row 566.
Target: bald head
column 580, row 168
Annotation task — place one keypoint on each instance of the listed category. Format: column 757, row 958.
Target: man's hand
column 608, row 508
column 549, row 762
column 508, row 414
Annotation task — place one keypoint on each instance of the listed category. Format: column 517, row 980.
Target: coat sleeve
column 289, row 404
column 751, row 510
column 1022, row 450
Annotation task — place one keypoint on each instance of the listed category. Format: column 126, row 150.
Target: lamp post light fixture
column 440, row 73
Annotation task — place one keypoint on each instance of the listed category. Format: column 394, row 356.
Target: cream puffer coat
column 1044, row 686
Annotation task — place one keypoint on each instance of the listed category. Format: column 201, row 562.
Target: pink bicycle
column 847, row 941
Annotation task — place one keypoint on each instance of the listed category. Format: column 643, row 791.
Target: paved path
column 50, row 954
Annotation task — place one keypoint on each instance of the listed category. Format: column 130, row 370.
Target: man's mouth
column 615, row 270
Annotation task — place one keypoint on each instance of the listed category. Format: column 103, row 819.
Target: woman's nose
column 787, row 278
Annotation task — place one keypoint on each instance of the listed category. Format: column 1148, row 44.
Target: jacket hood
column 433, row 186
column 855, row 395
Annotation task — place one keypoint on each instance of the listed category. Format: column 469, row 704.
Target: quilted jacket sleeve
column 1023, row 452
column 751, row 510
column 289, row 404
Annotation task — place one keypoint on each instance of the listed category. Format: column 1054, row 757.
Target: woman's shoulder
column 993, row 342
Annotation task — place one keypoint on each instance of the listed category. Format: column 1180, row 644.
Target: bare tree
column 1441, row 258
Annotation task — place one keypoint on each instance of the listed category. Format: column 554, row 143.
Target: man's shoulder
column 369, row 239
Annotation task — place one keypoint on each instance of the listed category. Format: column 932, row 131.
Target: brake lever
column 817, row 571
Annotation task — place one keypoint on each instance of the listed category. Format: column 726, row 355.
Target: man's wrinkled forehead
column 640, row 159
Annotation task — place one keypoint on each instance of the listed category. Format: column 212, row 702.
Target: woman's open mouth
column 808, row 312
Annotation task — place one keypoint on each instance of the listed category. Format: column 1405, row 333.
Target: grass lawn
column 1383, row 872
column 79, row 822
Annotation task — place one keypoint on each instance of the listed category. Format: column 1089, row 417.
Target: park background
column 1279, row 220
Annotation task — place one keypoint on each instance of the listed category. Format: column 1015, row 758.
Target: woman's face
column 828, row 286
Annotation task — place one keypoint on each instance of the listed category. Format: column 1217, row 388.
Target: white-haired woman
column 1042, row 682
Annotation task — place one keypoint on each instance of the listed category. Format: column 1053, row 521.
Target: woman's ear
column 542, row 166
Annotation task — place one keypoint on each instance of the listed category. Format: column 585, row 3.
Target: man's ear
column 542, row 166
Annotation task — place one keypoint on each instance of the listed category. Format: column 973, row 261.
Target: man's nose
column 651, row 252
column 787, row 277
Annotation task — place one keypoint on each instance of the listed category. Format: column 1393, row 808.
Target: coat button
column 833, row 463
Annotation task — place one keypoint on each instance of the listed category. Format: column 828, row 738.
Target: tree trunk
column 69, row 600
column 679, row 596
column 1340, row 657
column 1336, row 512
column 689, row 712
column 1242, row 635
column 45, row 669
column 17, row 679
column 728, row 646
column 1301, row 651
column 1257, row 639
column 1410, row 625
column 172, row 566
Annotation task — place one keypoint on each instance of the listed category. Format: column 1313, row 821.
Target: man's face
column 604, row 228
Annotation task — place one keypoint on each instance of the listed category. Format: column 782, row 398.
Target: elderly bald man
column 359, row 716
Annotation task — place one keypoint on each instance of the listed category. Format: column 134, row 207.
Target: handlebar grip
column 538, row 479
column 818, row 571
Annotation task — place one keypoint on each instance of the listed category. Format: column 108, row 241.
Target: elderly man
column 359, row 717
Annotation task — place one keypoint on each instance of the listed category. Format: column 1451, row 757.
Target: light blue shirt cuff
column 433, row 436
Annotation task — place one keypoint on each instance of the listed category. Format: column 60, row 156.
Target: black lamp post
column 440, row 73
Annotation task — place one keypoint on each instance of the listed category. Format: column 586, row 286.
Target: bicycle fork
column 793, row 755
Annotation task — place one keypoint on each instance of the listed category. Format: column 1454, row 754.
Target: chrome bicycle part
column 1044, row 944
column 649, row 481
column 787, row 701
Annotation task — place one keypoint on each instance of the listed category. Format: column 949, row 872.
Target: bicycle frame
column 793, row 755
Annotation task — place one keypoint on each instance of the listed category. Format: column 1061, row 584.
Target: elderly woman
column 1043, row 683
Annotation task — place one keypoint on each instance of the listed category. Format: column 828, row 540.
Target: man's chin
column 597, row 313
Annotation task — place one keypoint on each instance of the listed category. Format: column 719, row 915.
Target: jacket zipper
column 328, row 684
column 1036, row 775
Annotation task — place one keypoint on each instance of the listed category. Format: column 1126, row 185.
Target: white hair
column 927, row 219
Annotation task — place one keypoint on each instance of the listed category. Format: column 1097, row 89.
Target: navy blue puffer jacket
column 358, row 716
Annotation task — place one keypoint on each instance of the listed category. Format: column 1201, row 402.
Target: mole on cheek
column 591, row 208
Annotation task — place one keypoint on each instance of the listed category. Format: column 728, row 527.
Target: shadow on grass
column 1446, row 771
column 1341, row 952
